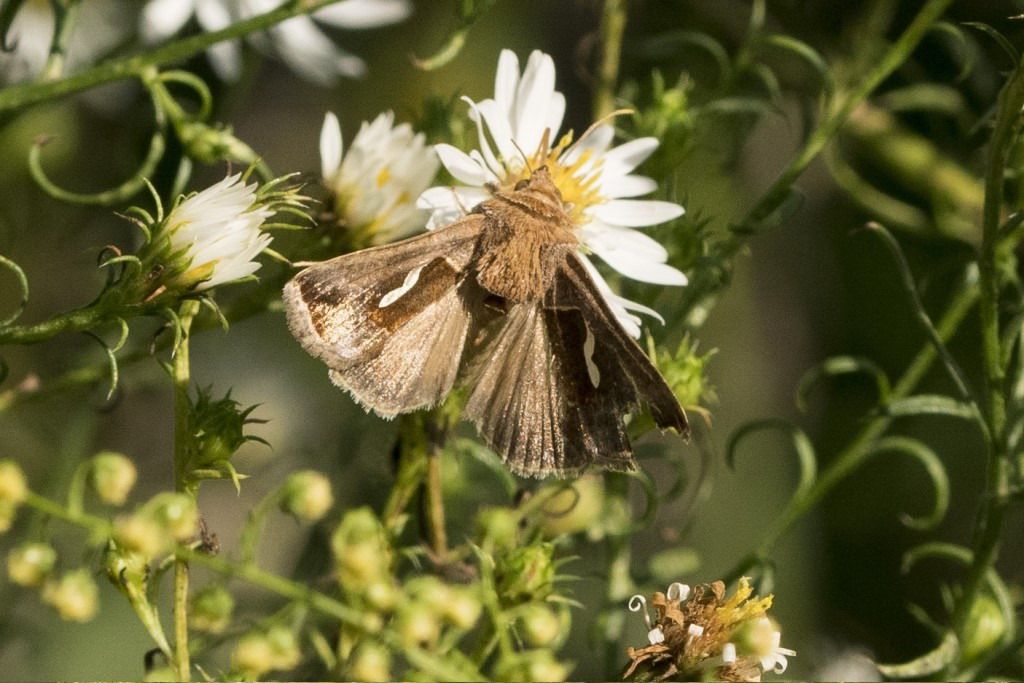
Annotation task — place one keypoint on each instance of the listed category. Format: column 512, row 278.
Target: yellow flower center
column 576, row 181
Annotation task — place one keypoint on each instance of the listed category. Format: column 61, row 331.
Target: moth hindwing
column 502, row 303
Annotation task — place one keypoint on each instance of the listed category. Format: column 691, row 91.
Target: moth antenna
column 545, row 142
column 597, row 124
column 526, row 160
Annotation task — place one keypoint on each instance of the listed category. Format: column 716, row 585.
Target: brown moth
column 501, row 303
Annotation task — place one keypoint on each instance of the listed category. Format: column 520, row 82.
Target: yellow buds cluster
column 360, row 550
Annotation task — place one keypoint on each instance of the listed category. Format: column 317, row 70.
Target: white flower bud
column 307, row 496
column 30, row 563
column 75, row 596
column 112, row 476
column 370, row 663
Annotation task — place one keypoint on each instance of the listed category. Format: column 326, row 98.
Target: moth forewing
column 390, row 322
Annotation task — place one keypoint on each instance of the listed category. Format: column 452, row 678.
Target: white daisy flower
column 97, row 31
column 219, row 232
column 595, row 179
column 376, row 183
column 299, row 42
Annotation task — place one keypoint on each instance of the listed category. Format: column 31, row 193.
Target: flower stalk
column 180, row 376
column 18, row 96
column 613, row 25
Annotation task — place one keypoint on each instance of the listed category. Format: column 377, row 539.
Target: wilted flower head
column 218, row 232
column 595, row 179
column 298, row 42
column 376, row 183
column 702, row 632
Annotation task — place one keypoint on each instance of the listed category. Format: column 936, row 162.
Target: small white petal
column 695, row 630
column 637, row 213
column 655, row 636
column 501, row 131
column 331, row 147
column 312, row 54
column 532, row 99
column 506, row 80
column 729, row 653
column 628, row 156
column 460, row 165
column 163, row 18
column 616, row 187
column 360, row 14
column 556, row 113
column 597, row 235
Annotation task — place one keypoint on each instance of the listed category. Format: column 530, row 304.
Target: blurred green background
column 809, row 289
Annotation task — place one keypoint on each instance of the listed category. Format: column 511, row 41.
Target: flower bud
column 126, row 567
column 258, row 652
column 211, row 609
column 360, row 550
column 526, row 573
column 500, row 526
column 307, row 496
column 31, row 563
column 160, row 674
column 381, row 595
column 13, row 491
column 531, row 665
column 253, row 655
column 417, row 625
column 463, row 608
column 370, row 663
column 141, row 533
column 540, row 625
column 985, row 627
column 112, row 477
column 574, row 509
column 178, row 514
column 75, row 595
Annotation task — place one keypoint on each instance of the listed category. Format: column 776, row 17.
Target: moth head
column 541, row 186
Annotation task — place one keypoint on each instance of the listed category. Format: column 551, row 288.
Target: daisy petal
column 635, row 213
column 628, row 156
column 506, row 80
column 163, row 18
column 359, row 14
column 330, row 146
column 637, row 267
column 598, row 234
column 535, row 91
column 460, row 165
column 556, row 112
column 615, row 187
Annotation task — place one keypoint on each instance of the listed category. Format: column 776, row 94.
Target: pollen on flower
column 702, row 633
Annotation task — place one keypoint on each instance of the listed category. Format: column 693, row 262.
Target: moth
column 501, row 303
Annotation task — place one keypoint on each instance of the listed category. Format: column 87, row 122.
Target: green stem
column 613, row 24
column 436, row 667
column 434, row 504
column 128, row 67
column 65, row 13
column 996, row 498
column 180, row 375
column 73, row 321
column 708, row 281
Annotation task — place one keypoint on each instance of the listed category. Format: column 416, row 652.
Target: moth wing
column 625, row 375
column 525, row 401
column 390, row 322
